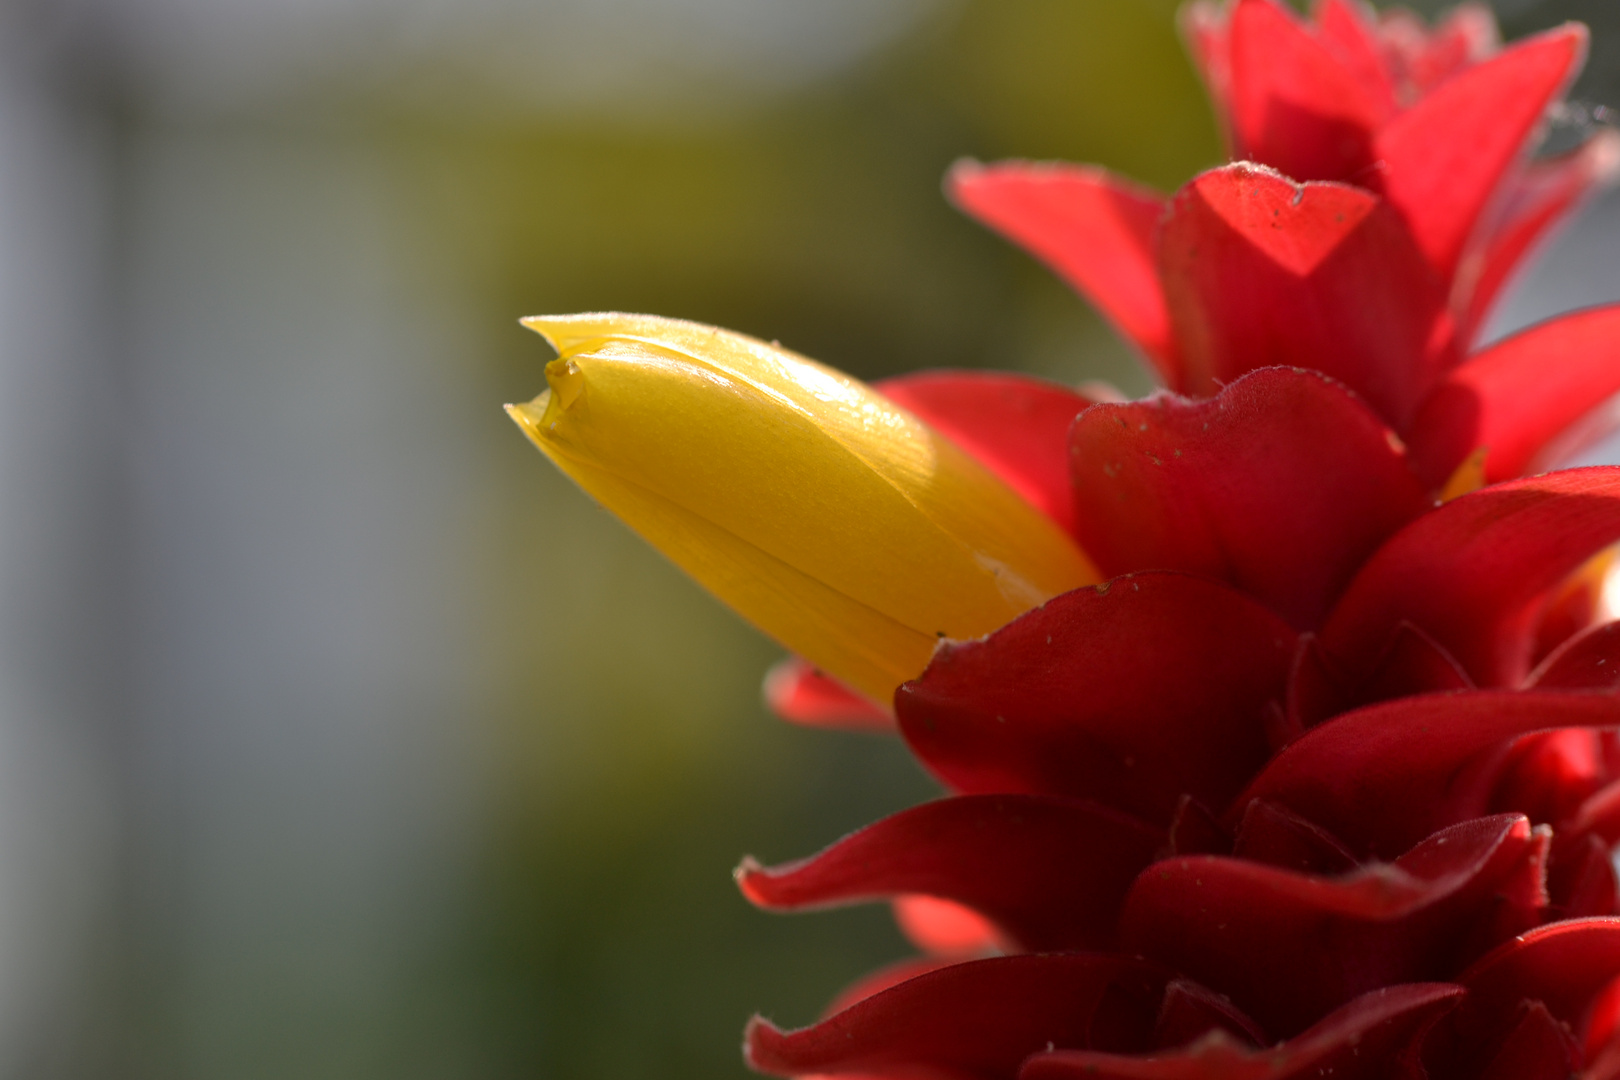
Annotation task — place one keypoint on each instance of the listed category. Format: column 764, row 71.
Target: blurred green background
column 349, row 739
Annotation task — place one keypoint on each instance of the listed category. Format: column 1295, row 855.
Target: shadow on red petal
column 1537, row 1047
column 1384, row 777
column 1196, row 831
column 1289, row 947
column 1051, row 873
column 1412, row 663
column 1475, row 573
column 1588, row 661
column 974, row 1021
column 1190, row 1012
column 1276, row 836
column 1563, row 968
column 1374, row 1037
column 1518, row 395
column 1581, row 880
column 1132, row 694
column 1282, row 485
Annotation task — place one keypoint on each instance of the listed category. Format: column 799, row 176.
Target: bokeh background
column 339, row 736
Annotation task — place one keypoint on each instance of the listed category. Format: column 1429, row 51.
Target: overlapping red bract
column 1324, row 780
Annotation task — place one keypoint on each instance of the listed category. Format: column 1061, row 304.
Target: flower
column 1324, row 777
column 771, row 479
column 1386, row 201
column 1383, row 284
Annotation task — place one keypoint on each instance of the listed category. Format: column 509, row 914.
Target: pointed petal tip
column 527, row 414
column 543, row 325
column 762, row 1047
column 1575, row 37
column 748, row 874
column 963, row 168
column 1603, row 156
column 566, row 333
column 798, row 693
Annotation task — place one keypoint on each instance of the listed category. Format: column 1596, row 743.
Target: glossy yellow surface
column 827, row 516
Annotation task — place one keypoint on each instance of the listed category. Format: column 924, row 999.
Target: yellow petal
column 826, row 515
column 1467, row 477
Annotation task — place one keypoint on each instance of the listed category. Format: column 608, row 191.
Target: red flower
column 1415, row 202
column 1325, row 779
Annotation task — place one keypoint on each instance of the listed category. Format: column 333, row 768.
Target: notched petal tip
column 566, row 382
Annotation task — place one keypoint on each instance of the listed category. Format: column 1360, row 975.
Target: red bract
column 1324, row 780
column 1385, row 200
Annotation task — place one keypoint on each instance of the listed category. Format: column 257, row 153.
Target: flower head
column 1322, row 774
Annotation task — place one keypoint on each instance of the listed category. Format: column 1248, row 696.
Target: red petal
column 1603, row 1019
column 1295, row 106
column 882, row 979
column 1316, row 689
column 1444, row 158
column 1412, row 663
column 1276, row 836
column 945, row 928
column 1605, row 1064
column 1589, row 661
column 1463, row 38
column 1599, row 814
column 1290, row 947
column 1365, row 1040
column 1282, row 486
column 1259, row 271
column 1573, row 608
column 1382, row 778
column 1132, row 693
column 1191, row 1011
column 973, row 1021
column 1518, row 395
column 1095, row 230
column 1522, row 899
column 798, row 692
column 1473, row 573
column 1581, row 880
column 1050, row 872
column 1195, row 831
column 1537, row 1048
column 1564, row 966
column 1016, row 426
column 1541, row 197
column 1349, row 30
column 1548, row 776
column 1204, row 28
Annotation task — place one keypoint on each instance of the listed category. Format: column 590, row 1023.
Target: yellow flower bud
column 826, row 515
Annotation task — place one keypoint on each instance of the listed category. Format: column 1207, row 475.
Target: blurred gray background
column 339, row 736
